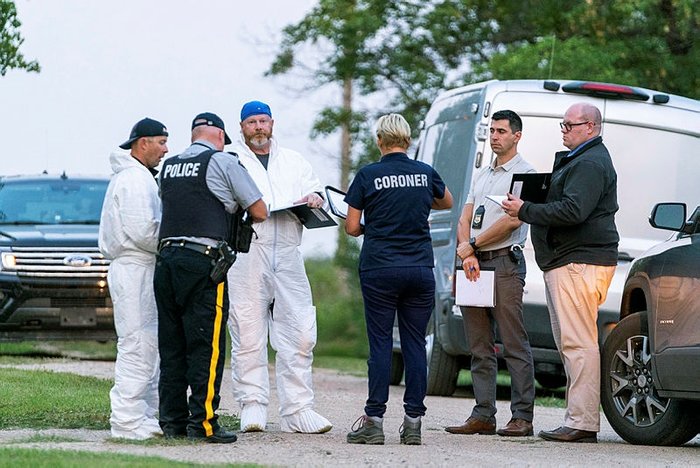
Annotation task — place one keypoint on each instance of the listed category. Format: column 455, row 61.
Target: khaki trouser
column 574, row 293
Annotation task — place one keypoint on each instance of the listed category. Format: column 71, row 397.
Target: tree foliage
column 398, row 54
column 11, row 40
column 648, row 43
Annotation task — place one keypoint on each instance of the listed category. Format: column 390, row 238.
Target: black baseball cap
column 145, row 128
column 211, row 120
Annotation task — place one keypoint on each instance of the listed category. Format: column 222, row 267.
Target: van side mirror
column 670, row 216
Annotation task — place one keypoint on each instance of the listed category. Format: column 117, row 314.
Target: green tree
column 11, row 40
column 649, row 43
column 357, row 45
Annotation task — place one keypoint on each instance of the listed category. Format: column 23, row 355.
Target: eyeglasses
column 568, row 126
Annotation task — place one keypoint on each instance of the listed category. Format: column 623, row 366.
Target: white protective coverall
column 273, row 270
column 129, row 228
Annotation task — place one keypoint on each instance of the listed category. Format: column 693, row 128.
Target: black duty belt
column 491, row 254
column 209, row 251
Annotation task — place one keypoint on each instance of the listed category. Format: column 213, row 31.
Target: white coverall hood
column 129, row 235
column 288, row 178
column 128, row 228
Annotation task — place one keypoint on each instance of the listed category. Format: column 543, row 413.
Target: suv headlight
column 9, row 261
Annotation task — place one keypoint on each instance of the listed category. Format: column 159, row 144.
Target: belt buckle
column 516, row 247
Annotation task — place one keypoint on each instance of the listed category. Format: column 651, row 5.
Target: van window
column 644, row 178
column 447, row 142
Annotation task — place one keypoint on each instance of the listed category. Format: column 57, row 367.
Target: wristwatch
column 472, row 242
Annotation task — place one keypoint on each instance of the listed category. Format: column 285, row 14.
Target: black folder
column 311, row 218
column 531, row 186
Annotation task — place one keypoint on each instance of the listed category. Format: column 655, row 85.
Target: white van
column 654, row 140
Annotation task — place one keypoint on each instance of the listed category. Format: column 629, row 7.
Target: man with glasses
column 575, row 241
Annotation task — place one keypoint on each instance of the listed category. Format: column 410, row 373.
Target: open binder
column 531, row 186
column 311, row 218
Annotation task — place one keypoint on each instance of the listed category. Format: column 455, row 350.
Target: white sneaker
column 305, row 421
column 143, row 432
column 253, row 417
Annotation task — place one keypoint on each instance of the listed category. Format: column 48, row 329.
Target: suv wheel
column 443, row 368
column 396, row 368
column 629, row 396
column 551, row 381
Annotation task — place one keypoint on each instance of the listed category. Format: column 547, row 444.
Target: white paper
column 497, row 199
column 517, row 188
column 479, row 293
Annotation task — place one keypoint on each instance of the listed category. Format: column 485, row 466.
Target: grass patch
column 42, row 399
column 349, row 365
column 339, row 310
column 37, row 458
column 41, row 438
column 92, row 350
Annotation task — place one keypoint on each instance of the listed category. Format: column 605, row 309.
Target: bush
column 339, row 309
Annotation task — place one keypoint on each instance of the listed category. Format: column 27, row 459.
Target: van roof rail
column 605, row 90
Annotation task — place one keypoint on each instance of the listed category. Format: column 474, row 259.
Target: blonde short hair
column 393, row 130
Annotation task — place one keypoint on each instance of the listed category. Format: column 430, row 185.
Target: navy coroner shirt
column 395, row 194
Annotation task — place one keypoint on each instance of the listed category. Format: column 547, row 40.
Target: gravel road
column 340, row 398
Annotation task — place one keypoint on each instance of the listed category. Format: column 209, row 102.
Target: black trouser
column 192, row 314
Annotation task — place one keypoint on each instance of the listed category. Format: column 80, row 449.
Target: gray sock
column 376, row 420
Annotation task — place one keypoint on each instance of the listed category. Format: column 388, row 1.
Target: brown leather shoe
column 516, row 428
column 473, row 426
column 568, row 434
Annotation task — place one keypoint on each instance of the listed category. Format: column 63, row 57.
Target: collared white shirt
column 495, row 180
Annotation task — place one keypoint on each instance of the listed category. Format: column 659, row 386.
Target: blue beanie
column 254, row 108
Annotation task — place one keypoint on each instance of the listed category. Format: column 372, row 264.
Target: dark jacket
column 576, row 224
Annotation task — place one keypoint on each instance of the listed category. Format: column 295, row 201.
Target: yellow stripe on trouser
column 214, row 359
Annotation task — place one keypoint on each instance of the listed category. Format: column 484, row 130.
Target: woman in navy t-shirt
column 395, row 195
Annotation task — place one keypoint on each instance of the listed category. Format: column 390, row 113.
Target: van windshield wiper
column 22, row 222
column 80, row 221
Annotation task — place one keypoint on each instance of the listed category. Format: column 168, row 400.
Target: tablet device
column 336, row 203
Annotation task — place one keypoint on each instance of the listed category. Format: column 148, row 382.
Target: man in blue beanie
column 269, row 288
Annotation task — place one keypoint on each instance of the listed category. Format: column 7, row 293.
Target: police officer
column 396, row 272
column 200, row 188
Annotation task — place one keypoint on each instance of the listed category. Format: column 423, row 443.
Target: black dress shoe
column 221, row 436
column 171, row 431
column 568, row 434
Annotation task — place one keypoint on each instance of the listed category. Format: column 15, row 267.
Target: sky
column 107, row 64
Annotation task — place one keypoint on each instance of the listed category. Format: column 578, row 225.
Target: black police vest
column 189, row 207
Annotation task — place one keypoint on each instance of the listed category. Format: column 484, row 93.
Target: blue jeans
column 409, row 293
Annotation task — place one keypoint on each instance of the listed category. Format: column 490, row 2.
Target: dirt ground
column 340, row 398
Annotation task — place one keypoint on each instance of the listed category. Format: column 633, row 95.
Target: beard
column 259, row 140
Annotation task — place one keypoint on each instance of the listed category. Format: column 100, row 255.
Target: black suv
column 651, row 359
column 53, row 279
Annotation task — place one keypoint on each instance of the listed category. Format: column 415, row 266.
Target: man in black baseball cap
column 211, row 120
column 145, row 128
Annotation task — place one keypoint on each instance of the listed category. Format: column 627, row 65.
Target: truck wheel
column 396, row 368
column 628, row 392
column 443, row 368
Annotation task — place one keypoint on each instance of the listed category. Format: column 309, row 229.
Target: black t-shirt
column 264, row 159
column 395, row 194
